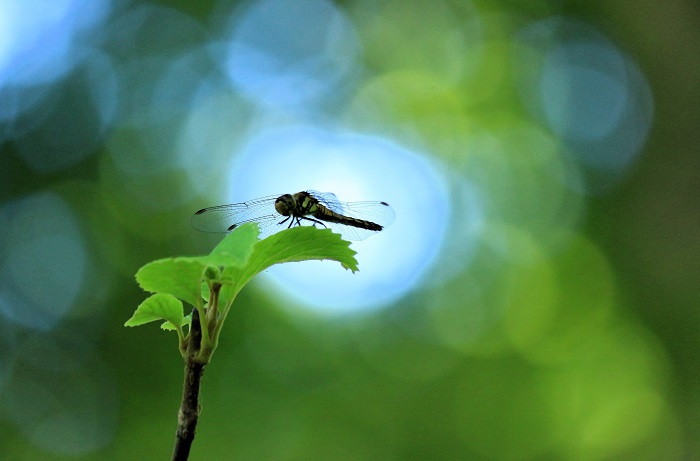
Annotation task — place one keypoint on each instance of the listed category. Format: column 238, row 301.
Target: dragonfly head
column 285, row 204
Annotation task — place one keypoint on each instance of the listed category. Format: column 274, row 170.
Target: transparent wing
column 375, row 212
column 224, row 218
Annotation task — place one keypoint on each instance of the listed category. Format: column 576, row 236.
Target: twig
column 189, row 409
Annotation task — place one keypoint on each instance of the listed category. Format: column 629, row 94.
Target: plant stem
column 189, row 408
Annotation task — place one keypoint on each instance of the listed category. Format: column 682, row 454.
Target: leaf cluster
column 210, row 283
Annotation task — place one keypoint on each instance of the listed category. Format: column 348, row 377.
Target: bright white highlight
column 355, row 168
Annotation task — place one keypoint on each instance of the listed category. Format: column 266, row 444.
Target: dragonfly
column 352, row 220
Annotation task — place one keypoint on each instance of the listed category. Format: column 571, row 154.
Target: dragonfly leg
column 284, row 220
column 295, row 220
column 315, row 221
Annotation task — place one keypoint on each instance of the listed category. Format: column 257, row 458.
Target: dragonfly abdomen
column 324, row 214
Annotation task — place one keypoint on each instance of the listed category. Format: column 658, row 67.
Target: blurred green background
column 549, row 308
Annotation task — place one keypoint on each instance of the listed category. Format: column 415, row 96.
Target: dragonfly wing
column 224, row 218
column 329, row 200
column 377, row 212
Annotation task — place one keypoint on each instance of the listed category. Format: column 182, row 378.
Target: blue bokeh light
column 41, row 42
column 580, row 100
column 73, row 127
column 287, row 54
column 41, row 38
column 355, row 168
column 42, row 261
column 57, row 87
column 588, row 92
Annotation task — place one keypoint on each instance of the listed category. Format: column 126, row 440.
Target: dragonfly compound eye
column 285, row 204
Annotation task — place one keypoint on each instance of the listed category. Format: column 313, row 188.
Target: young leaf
column 297, row 244
column 169, row 326
column 303, row 243
column 157, row 307
column 235, row 248
column 180, row 277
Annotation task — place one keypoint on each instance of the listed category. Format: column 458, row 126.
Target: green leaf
column 303, row 243
column 242, row 256
column 157, row 307
column 170, row 326
column 297, row 244
column 180, row 277
column 235, row 248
